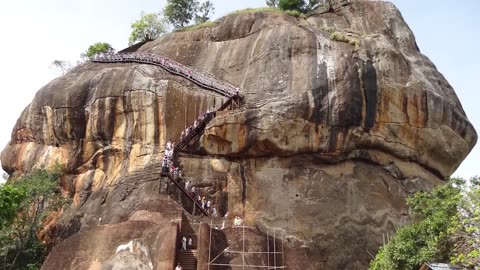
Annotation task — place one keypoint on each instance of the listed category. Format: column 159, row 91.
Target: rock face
column 331, row 138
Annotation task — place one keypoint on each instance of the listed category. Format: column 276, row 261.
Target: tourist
column 184, row 243
column 190, row 242
column 237, row 221
column 179, row 267
column 214, row 212
column 165, row 165
column 187, row 184
column 223, row 225
column 204, row 202
column 169, row 144
column 208, row 205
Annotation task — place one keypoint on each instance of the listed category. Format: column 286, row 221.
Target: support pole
column 283, row 253
column 268, row 251
column 274, row 252
column 210, row 244
column 243, row 247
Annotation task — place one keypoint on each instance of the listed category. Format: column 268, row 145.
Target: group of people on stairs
column 202, row 78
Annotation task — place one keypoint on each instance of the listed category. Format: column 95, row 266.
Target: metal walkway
column 200, row 78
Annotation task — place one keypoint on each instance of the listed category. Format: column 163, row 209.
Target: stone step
column 187, row 259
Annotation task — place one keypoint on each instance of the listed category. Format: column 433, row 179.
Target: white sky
column 34, row 33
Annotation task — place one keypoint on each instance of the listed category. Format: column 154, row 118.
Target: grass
column 337, row 36
column 341, row 37
column 294, row 13
column 207, row 24
column 255, row 10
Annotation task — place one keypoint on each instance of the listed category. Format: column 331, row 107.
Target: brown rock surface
column 330, row 140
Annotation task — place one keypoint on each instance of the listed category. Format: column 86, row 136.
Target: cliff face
column 330, row 139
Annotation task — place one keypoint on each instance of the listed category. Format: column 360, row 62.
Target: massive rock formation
column 331, row 138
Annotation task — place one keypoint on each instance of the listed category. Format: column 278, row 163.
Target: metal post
column 283, row 253
column 193, row 212
column 243, row 247
column 210, row 244
column 274, row 252
column 268, row 251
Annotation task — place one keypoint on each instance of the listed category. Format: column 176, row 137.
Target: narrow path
column 200, row 78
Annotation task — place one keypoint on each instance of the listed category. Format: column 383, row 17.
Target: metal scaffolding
column 274, row 253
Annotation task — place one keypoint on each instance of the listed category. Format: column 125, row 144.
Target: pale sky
column 37, row 32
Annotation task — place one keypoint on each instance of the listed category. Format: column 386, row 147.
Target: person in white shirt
column 179, row 267
column 184, row 243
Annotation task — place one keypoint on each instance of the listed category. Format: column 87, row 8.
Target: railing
column 180, row 186
column 201, row 78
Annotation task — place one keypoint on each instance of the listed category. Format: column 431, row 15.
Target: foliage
column 60, row 66
column 440, row 218
column 466, row 233
column 207, row 24
column 298, row 5
column 255, row 10
column 20, row 247
column 272, row 3
column 149, row 26
column 203, row 12
column 95, row 49
column 294, row 13
column 10, row 199
column 181, row 12
column 337, row 36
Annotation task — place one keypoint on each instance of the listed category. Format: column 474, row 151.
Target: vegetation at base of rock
column 181, row 12
column 10, row 200
column 31, row 199
column 446, row 229
column 207, row 24
column 95, row 49
column 149, row 26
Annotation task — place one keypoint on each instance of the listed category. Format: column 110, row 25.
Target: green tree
column 149, row 26
column 180, row 12
column 204, row 11
column 466, row 232
column 20, row 247
column 10, row 200
column 434, row 236
column 95, row 49
column 272, row 3
column 291, row 5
